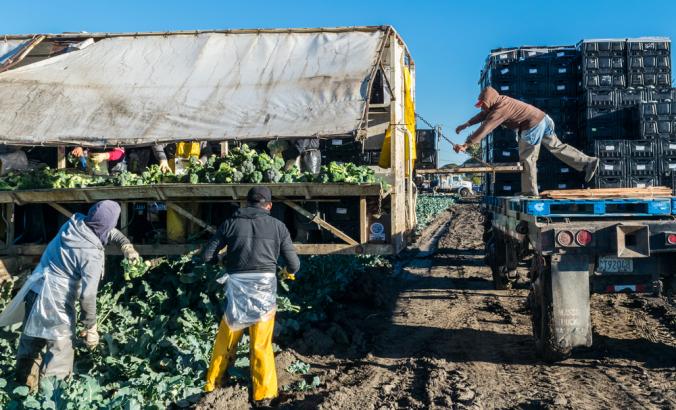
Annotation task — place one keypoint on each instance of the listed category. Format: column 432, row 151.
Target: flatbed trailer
column 578, row 246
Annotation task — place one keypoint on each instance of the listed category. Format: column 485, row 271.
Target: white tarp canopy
column 128, row 90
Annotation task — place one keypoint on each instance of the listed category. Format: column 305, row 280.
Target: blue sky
column 448, row 40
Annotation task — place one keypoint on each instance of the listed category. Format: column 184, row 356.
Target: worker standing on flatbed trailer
column 533, row 128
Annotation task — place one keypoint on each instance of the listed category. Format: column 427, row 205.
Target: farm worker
column 254, row 241
column 533, row 128
column 69, row 271
column 113, row 159
column 168, row 155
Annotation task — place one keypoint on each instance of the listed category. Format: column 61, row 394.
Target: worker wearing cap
column 254, row 241
column 69, row 271
column 533, row 128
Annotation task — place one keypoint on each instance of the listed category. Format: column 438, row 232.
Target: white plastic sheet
column 209, row 86
column 9, row 48
column 251, row 297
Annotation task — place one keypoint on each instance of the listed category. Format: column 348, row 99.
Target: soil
column 442, row 337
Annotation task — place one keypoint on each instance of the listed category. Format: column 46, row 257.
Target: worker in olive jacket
column 533, row 127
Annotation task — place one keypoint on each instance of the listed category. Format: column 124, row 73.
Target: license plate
column 610, row 264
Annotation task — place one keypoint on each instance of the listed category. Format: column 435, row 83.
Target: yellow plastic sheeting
column 409, row 138
column 186, row 150
column 262, row 358
column 177, row 226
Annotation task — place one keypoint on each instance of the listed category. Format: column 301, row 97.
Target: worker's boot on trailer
column 590, row 169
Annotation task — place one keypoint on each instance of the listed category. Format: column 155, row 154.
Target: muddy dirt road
column 446, row 339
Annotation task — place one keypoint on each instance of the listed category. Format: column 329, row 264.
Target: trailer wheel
column 464, row 192
column 495, row 259
column 540, row 303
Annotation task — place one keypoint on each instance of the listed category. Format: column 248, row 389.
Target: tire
column 464, row 192
column 495, row 259
column 540, row 303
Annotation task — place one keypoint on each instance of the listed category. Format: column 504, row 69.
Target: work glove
column 460, row 148
column 99, row 157
column 286, row 275
column 164, row 166
column 129, row 252
column 91, row 337
column 77, row 152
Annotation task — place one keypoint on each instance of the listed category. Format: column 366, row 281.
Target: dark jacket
column 254, row 241
column 503, row 110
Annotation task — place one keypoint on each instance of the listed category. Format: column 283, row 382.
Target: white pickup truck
column 454, row 183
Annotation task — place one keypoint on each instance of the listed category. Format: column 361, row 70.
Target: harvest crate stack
column 611, row 98
column 625, row 106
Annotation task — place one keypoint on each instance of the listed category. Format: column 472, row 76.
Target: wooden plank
column 61, row 157
column 363, row 221
column 182, row 249
column 649, row 192
column 124, row 218
column 480, row 169
column 397, row 158
column 181, row 211
column 61, row 209
column 319, row 221
column 162, row 192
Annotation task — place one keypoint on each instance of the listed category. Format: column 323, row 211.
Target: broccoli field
column 157, row 329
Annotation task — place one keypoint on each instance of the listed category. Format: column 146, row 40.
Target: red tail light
column 671, row 238
column 564, row 238
column 583, row 237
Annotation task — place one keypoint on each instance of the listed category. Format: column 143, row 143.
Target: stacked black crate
column 502, row 72
column 612, row 166
column 649, row 62
column 426, row 149
column 602, row 73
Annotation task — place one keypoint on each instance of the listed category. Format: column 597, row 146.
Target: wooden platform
column 182, row 192
column 498, row 168
column 644, row 193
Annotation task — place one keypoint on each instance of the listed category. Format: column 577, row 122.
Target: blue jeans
column 534, row 135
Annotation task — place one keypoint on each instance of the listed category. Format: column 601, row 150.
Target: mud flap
column 571, row 319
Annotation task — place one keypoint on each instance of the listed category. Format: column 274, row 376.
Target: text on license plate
column 611, row 264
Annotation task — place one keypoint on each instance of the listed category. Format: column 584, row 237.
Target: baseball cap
column 259, row 194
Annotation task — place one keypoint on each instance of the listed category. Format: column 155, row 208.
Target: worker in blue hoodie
column 69, row 271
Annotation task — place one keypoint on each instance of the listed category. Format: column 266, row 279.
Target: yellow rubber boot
column 224, row 348
column 263, row 372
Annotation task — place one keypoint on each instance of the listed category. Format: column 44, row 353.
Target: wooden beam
column 497, row 168
column 182, row 249
column 61, row 209
column 363, row 221
column 61, row 157
column 319, row 221
column 23, row 54
column 181, row 211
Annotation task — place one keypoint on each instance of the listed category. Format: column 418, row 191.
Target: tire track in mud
column 455, row 342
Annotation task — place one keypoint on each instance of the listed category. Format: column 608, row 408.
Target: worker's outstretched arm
column 215, row 244
column 118, row 239
column 288, row 251
column 472, row 121
column 91, row 270
column 491, row 121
